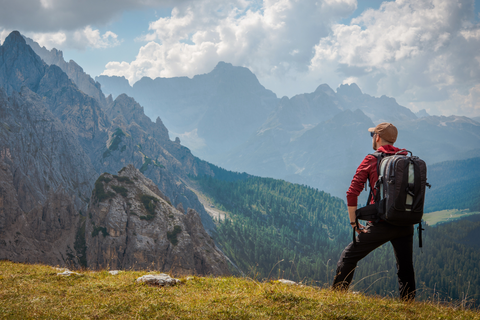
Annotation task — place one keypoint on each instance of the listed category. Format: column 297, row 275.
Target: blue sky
column 424, row 53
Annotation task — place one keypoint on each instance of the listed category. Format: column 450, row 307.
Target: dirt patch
column 208, row 203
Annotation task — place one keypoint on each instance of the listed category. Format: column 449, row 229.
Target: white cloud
column 420, row 51
column 457, row 103
column 79, row 39
column 272, row 39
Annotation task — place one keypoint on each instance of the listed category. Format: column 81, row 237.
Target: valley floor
column 37, row 291
column 432, row 218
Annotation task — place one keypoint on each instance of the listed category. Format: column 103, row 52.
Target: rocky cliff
column 55, row 140
column 45, row 182
column 132, row 225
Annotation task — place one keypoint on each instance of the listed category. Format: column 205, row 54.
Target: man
column 376, row 233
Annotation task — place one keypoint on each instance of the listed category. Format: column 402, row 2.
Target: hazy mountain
column 211, row 113
column 439, row 138
column 476, row 119
column 383, row 109
column 308, row 139
column 314, row 138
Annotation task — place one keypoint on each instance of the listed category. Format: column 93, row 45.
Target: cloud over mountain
column 271, row 38
column 424, row 51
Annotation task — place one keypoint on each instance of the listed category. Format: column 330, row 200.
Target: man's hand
column 361, row 229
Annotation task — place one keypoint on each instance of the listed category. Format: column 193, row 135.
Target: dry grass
column 35, row 291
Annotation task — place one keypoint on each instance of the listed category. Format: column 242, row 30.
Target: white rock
column 68, row 273
column 161, row 279
column 114, row 272
column 289, row 282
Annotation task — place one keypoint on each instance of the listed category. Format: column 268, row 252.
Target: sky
column 423, row 53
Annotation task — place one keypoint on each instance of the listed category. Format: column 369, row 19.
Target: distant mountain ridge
column 308, row 139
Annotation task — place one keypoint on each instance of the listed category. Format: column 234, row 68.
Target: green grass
column 35, row 291
column 432, row 218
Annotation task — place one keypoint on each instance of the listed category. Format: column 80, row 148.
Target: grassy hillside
column 36, row 291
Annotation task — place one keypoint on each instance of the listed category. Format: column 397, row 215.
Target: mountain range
column 228, row 118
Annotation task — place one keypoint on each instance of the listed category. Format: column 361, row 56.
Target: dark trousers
column 378, row 234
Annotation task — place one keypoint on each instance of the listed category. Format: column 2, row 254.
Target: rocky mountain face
column 46, row 181
column 56, row 140
column 132, row 225
column 74, row 72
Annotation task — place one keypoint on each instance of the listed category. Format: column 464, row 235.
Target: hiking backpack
column 399, row 191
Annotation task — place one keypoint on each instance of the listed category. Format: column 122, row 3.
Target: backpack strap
column 379, row 156
column 420, row 242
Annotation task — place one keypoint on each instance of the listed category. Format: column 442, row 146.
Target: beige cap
column 386, row 131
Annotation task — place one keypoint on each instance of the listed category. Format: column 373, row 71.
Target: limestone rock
column 288, row 282
column 132, row 225
column 161, row 279
column 68, row 273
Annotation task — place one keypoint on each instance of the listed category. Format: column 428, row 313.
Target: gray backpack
column 399, row 191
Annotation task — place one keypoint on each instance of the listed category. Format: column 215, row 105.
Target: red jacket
column 367, row 170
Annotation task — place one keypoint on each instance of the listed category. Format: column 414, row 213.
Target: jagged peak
column 14, row 37
column 351, row 90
